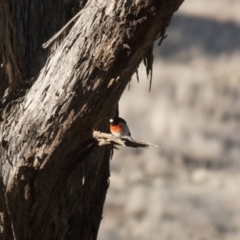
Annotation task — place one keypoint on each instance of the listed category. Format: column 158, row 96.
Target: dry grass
column 190, row 187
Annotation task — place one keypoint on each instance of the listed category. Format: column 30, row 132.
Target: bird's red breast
column 116, row 128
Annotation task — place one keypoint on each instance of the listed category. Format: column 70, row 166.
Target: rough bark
column 54, row 176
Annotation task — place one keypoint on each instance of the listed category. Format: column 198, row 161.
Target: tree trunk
column 54, row 176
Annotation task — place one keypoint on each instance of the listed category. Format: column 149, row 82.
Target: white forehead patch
column 111, row 120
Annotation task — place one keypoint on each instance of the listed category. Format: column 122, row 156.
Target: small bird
column 119, row 128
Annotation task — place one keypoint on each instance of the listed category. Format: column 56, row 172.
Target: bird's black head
column 116, row 120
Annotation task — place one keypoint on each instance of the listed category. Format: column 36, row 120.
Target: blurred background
column 188, row 188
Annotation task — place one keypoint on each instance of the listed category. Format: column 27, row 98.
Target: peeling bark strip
column 53, row 174
column 106, row 139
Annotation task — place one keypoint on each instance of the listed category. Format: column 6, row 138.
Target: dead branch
column 52, row 39
column 106, row 139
